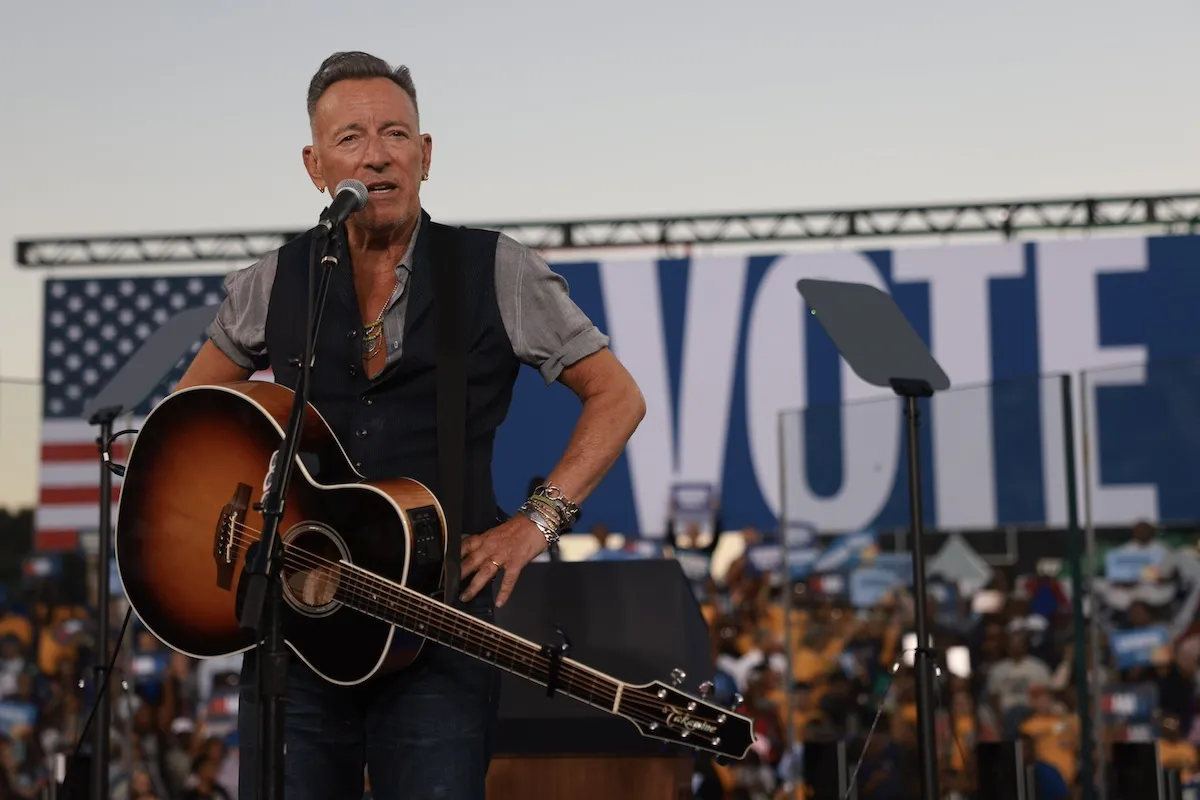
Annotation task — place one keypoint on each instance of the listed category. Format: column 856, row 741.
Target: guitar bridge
column 230, row 525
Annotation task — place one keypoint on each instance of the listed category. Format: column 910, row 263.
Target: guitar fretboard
column 414, row 612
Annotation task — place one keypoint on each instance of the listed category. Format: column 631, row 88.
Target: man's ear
column 313, row 166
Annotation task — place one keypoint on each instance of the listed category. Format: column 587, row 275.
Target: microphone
column 350, row 196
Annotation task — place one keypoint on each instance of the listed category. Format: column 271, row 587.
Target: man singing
column 424, row 732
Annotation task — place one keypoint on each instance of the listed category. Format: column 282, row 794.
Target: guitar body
column 187, row 520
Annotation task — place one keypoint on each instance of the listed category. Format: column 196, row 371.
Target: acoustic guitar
column 362, row 562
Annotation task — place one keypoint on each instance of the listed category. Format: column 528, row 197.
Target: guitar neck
column 412, row 611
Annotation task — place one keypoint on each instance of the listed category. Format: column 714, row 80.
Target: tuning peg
column 706, row 689
column 737, row 702
column 677, row 676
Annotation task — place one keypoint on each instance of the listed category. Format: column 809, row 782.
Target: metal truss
column 1173, row 213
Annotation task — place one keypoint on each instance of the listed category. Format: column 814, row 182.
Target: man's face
column 367, row 129
column 1017, row 647
column 1170, row 728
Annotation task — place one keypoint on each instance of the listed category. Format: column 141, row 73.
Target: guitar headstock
column 662, row 711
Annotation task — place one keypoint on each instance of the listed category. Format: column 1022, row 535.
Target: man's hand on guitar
column 510, row 545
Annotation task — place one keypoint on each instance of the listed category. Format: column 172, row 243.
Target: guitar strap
column 450, row 320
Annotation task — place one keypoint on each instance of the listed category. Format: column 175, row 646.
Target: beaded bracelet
column 551, row 494
column 550, row 511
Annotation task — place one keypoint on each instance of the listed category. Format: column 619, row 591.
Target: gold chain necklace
column 373, row 333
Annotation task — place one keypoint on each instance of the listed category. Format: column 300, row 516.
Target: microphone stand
column 262, row 604
column 103, row 703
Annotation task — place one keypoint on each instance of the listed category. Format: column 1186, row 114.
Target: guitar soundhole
column 311, row 569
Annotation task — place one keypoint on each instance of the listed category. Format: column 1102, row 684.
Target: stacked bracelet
column 550, row 510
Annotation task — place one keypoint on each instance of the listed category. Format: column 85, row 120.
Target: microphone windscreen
column 355, row 187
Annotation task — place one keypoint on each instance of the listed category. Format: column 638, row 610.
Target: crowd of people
column 838, row 672
column 1006, row 673
column 172, row 736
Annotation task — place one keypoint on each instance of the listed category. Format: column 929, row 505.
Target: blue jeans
column 425, row 732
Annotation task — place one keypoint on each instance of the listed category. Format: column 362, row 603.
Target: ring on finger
column 494, row 564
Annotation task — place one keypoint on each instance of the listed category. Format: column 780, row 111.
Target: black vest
column 388, row 426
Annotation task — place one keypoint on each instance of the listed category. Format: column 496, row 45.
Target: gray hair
column 356, row 65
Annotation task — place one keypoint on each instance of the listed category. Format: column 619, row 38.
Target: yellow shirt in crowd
column 18, row 626
column 1180, row 755
column 1056, row 741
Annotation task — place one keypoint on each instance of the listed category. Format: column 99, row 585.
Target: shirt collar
column 406, row 261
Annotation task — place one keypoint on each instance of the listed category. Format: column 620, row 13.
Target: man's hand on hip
column 510, row 545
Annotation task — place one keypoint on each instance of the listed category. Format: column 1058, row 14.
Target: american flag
column 91, row 328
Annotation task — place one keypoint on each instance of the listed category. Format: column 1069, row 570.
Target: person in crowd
column 1049, row 781
column 17, row 625
column 138, row 785
column 1175, row 752
column 1175, row 676
column 204, row 781
column 12, row 663
column 1054, row 733
column 1156, row 586
column 1011, row 680
column 600, row 534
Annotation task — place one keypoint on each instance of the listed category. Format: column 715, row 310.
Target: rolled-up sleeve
column 547, row 329
column 239, row 329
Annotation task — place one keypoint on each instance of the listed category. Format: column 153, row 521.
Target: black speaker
column 76, row 771
column 1137, row 772
column 1001, row 771
column 827, row 771
column 633, row 620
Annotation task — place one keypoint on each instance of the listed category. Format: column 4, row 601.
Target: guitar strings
column 637, row 697
column 357, row 580
column 354, row 579
column 362, row 580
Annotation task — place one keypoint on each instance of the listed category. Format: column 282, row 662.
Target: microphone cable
column 887, row 690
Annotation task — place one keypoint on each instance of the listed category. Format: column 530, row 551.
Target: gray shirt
column 547, row 330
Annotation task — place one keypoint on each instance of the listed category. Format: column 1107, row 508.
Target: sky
column 139, row 117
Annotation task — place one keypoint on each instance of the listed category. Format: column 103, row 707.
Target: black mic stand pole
column 924, row 661
column 262, row 605
column 103, row 417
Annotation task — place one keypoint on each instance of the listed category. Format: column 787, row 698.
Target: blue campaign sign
column 1137, row 647
column 693, row 499
column 693, row 504
column 848, row 551
column 720, row 344
column 869, row 585
column 768, row 559
column 1130, row 702
column 1129, row 565
column 899, row 564
column 15, row 714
